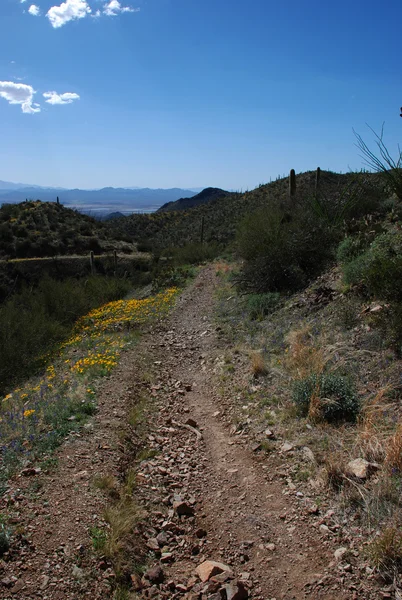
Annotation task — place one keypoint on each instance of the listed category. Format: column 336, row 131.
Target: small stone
column 81, row 475
column 167, row 557
column 308, row 454
column 361, row 468
column 18, row 586
column 182, row 508
column 270, row 434
column 209, row 568
column 312, row 509
column 324, row 529
column 162, row 539
column 30, row 471
column 153, row 544
column 270, row 547
column 191, row 422
column 77, row 572
column 286, row 447
column 155, row 574
column 340, row 553
column 201, row 533
column 236, row 591
column 256, row 447
column 45, row 581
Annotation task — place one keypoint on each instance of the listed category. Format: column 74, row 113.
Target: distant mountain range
column 96, row 202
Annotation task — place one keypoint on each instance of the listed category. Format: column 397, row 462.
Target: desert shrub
column 260, row 305
column 193, row 254
column 334, row 394
column 167, row 276
column 282, row 251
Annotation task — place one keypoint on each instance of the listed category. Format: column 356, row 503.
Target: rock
column 340, row 553
column 155, row 574
column 308, row 454
column 200, row 533
column 256, row 447
column 270, row 547
column 209, row 568
column 167, row 557
column 313, row 509
column 235, row 591
column 270, row 434
column 324, row 529
column 286, row 447
column 162, row 539
column 191, row 422
column 361, row 468
column 182, row 508
column 77, row 572
column 44, row 582
column 30, row 471
column 18, row 586
column 81, row 475
column 153, row 544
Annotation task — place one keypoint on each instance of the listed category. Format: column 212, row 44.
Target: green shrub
column 260, row 305
column 336, row 394
column 379, row 268
column 192, row 254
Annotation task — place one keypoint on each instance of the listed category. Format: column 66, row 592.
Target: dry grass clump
column 258, row 366
column 370, row 439
column 122, row 519
column 304, row 357
column 334, row 471
column 393, row 458
column 385, row 551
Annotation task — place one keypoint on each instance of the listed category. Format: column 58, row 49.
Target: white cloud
column 34, row 10
column 67, row 11
column 55, row 98
column 19, row 93
column 113, row 8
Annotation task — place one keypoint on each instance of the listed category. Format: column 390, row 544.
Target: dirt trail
column 272, row 540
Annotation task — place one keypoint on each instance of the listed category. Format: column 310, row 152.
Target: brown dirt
column 272, row 537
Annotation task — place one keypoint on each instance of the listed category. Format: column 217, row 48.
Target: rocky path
column 209, row 495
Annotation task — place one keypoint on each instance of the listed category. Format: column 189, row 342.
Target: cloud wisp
column 68, row 11
column 19, row 93
column 55, row 98
column 113, row 8
column 34, row 10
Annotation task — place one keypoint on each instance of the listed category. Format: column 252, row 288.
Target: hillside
column 203, row 197
column 39, row 229
column 223, row 215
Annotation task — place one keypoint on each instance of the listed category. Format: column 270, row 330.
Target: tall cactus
column 292, row 183
column 317, row 179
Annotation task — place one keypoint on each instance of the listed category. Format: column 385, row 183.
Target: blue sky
column 165, row 93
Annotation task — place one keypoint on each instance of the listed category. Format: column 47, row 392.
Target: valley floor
column 203, row 490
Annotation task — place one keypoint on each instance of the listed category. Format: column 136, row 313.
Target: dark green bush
column 192, row 254
column 338, row 399
column 260, row 305
column 282, row 251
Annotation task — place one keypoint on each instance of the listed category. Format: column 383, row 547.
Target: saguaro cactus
column 317, row 178
column 292, row 183
column 92, row 262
